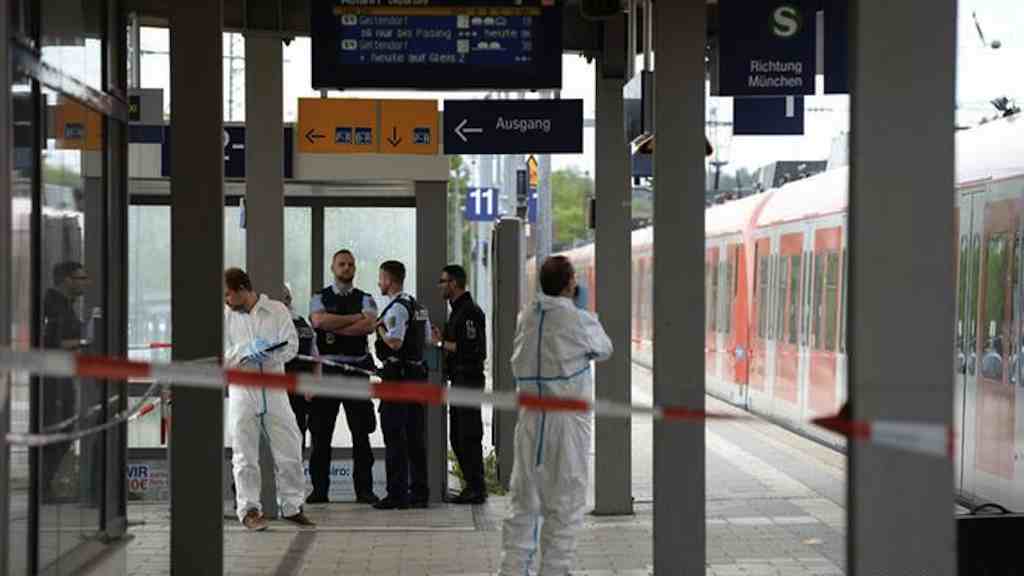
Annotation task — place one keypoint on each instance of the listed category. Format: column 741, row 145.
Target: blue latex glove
column 256, row 351
column 580, row 299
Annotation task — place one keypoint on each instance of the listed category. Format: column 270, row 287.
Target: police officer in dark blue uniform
column 343, row 316
column 301, row 364
column 465, row 348
column 402, row 335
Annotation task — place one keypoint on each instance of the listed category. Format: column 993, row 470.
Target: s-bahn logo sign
column 766, row 47
column 787, row 21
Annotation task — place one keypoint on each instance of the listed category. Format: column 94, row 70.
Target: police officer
column 302, row 363
column 465, row 349
column 343, row 317
column 401, row 337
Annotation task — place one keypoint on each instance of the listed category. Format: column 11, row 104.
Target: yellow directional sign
column 408, row 127
column 531, row 163
column 364, row 126
column 338, row 126
column 77, row 127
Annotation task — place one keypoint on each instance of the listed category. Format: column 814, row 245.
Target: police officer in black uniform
column 465, row 349
column 301, row 364
column 402, row 335
column 343, row 316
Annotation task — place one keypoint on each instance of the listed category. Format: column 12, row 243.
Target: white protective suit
column 554, row 345
column 253, row 411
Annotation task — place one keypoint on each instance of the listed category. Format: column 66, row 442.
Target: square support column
column 197, row 285
column 613, row 481
column 264, row 195
column 6, row 144
column 901, row 301
column 431, row 256
column 679, row 462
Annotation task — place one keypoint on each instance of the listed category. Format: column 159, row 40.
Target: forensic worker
column 402, row 334
column 259, row 335
column 343, row 316
column 465, row 348
column 556, row 339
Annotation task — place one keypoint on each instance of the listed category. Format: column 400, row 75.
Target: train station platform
column 775, row 505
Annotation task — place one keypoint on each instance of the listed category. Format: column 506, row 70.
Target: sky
column 983, row 73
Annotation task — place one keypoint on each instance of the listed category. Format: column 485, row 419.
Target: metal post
column 135, row 53
column 431, row 239
column 679, row 461
column 896, row 168
column 613, row 438
column 197, row 267
column 544, row 228
column 507, row 280
column 264, row 194
column 6, row 146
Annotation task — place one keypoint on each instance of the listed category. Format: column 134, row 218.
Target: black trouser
column 404, row 427
column 58, row 405
column 467, row 435
column 361, row 423
column 303, row 411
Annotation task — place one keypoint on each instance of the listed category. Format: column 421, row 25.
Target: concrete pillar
column 613, row 249
column 901, row 220
column 197, row 285
column 431, row 240
column 264, row 194
column 679, row 530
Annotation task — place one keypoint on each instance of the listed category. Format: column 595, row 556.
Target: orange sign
column 338, row 126
column 363, row 126
column 409, row 127
column 76, row 126
column 531, row 163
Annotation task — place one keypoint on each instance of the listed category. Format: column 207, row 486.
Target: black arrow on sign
column 394, row 140
column 312, row 136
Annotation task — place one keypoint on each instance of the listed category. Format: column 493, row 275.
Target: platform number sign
column 482, row 204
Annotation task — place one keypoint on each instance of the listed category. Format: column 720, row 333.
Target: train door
column 733, row 326
column 822, row 337
column 789, row 298
column 711, row 290
column 994, row 413
column 760, row 312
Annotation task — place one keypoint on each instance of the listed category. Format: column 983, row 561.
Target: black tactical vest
column 411, row 351
column 330, row 344
column 306, row 338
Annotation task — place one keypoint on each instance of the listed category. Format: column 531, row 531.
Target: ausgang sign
column 767, row 47
column 513, row 126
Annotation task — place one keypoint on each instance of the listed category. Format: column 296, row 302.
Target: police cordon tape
column 919, row 437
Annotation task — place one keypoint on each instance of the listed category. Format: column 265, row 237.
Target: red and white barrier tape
column 924, row 438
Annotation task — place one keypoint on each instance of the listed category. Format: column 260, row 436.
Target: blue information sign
column 779, row 116
column 482, row 204
column 837, row 47
column 767, row 47
column 437, row 44
column 234, row 148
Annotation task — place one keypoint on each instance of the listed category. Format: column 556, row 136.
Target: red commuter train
column 775, row 278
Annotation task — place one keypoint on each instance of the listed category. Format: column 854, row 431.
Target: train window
column 962, row 289
column 845, row 268
column 996, row 264
column 972, row 304
column 781, row 277
column 817, row 303
column 792, row 327
column 762, row 296
column 831, row 300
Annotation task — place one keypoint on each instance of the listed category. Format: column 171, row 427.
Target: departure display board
column 437, row 44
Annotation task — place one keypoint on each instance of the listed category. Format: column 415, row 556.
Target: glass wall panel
column 373, row 235
column 298, row 255
column 149, row 282
column 72, row 38
column 72, row 293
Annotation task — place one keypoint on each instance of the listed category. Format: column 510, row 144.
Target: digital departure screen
column 437, row 44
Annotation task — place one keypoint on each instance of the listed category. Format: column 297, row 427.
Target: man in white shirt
column 259, row 335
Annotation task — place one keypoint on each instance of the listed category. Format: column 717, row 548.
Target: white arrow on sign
column 461, row 130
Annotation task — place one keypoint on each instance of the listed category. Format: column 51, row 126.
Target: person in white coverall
column 259, row 335
column 556, row 340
